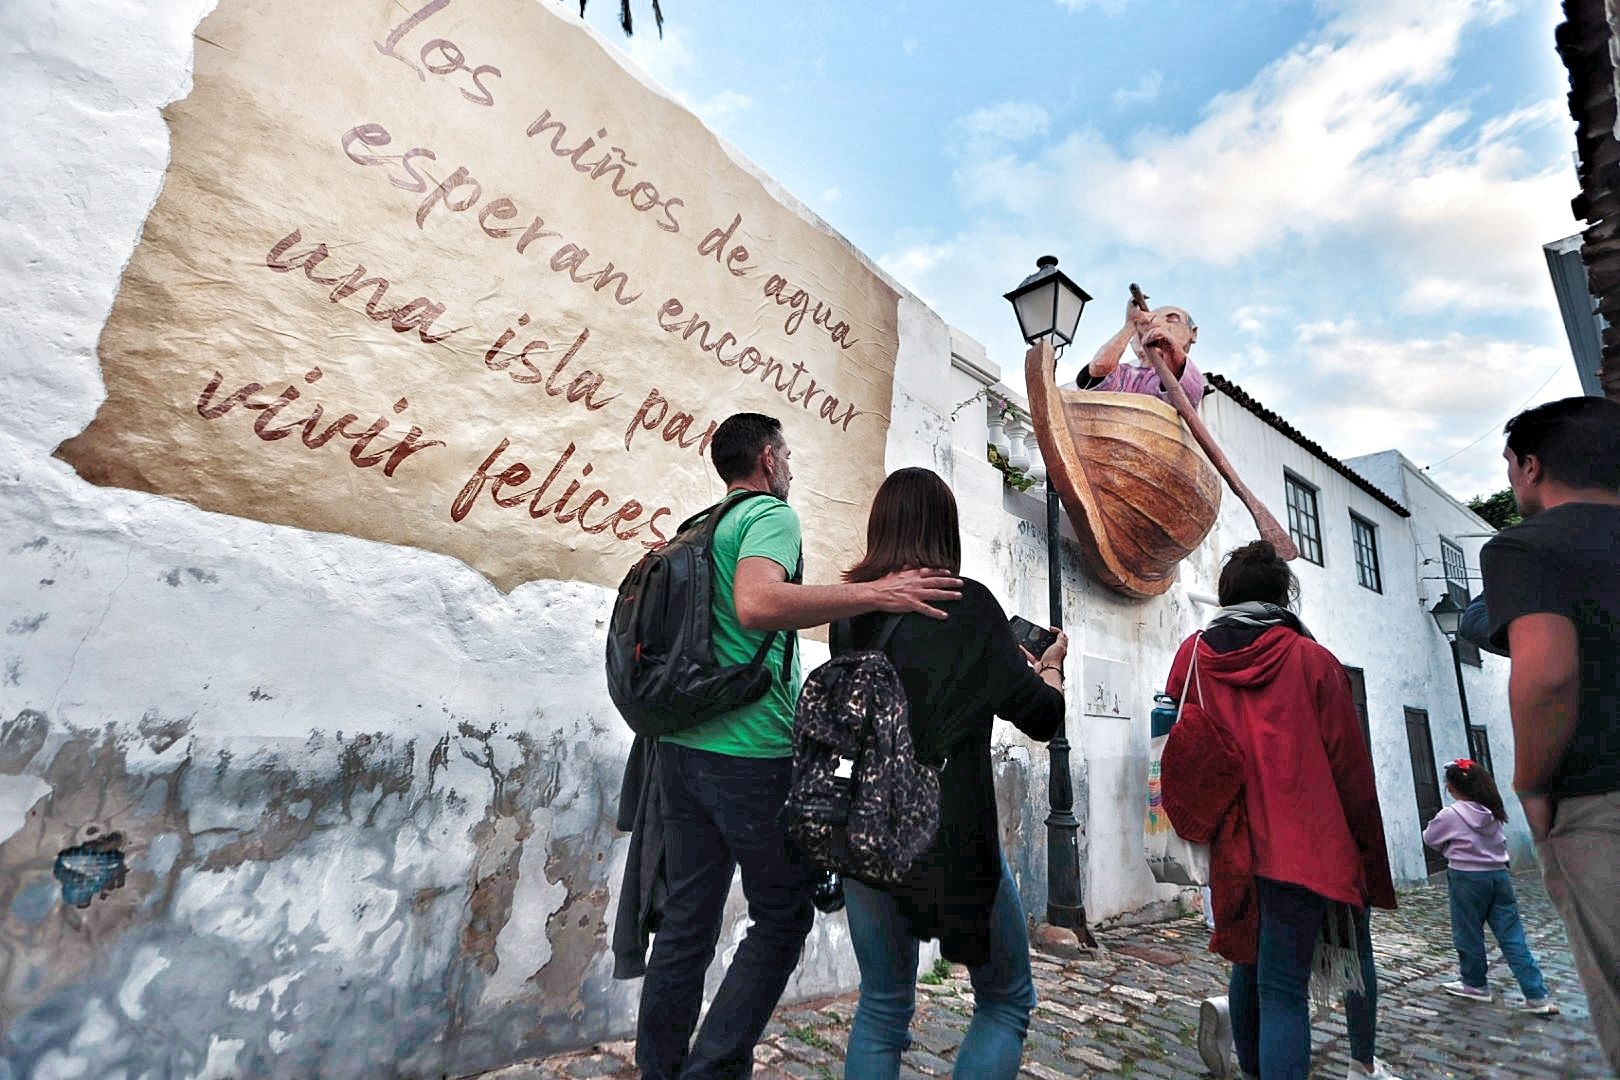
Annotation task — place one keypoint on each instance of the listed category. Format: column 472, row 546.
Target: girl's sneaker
column 1380, row 1071
column 1463, row 990
column 1539, row 1007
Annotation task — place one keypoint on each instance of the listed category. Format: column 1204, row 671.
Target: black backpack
column 860, row 802
column 661, row 671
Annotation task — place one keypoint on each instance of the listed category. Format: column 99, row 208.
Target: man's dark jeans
column 720, row 812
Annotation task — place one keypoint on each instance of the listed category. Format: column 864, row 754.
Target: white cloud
column 720, row 109
column 1254, row 318
column 1009, row 122
column 667, row 59
column 832, row 195
column 1324, row 328
column 1107, row 7
column 1334, row 141
column 1428, row 396
column 914, row 263
column 1146, row 90
column 670, row 62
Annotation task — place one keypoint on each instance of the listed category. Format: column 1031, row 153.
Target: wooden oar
column 1270, row 530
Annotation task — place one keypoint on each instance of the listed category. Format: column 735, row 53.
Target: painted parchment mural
column 446, row 275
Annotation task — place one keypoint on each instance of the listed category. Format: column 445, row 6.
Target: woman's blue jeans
column 1003, row 990
column 1479, row 897
column 1270, row 1000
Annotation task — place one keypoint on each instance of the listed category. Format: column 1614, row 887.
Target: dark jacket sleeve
column 1017, row 693
column 642, row 890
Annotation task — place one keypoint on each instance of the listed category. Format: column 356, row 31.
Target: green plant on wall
column 1004, row 408
column 1012, row 476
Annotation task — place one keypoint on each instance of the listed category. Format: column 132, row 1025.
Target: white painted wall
column 1436, row 514
column 366, row 799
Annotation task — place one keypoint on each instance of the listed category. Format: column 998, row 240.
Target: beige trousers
column 1580, row 859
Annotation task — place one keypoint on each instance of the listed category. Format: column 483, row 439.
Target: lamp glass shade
column 1035, row 308
column 1066, row 318
column 1048, row 304
column 1447, row 615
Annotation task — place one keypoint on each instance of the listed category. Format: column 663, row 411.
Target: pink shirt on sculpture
column 1134, row 379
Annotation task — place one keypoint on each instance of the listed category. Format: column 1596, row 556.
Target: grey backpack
column 860, row 802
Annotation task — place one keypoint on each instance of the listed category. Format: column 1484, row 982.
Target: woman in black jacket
column 958, row 675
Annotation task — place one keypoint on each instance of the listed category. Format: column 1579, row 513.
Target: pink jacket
column 1468, row 836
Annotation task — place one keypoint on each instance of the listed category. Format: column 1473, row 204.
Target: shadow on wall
column 328, row 905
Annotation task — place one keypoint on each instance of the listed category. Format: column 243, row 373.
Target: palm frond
column 626, row 20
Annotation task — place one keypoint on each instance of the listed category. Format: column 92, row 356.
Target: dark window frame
column 1367, row 565
column 1454, row 565
column 1479, row 746
column 1301, row 497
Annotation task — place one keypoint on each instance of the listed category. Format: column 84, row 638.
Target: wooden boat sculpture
column 1138, row 490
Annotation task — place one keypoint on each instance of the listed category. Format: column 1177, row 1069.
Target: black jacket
column 641, row 894
column 959, row 674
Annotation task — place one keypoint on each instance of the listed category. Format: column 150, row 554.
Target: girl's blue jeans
column 1270, row 999
column 1481, row 897
column 1003, row 990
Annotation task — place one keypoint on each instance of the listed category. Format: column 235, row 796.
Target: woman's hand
column 1050, row 666
column 1055, row 652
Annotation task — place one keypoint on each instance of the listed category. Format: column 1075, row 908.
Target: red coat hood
column 1255, row 665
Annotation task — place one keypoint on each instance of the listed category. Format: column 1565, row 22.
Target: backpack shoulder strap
column 711, row 515
column 884, row 634
column 1192, row 676
column 841, row 635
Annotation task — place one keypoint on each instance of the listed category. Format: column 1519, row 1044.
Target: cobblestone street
column 1131, row 1011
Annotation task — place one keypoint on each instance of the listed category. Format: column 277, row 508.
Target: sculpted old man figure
column 1168, row 332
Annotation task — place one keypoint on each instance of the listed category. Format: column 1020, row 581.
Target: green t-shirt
column 764, row 527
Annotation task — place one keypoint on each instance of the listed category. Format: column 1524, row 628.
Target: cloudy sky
column 1349, row 195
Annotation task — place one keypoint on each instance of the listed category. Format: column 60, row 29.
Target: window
column 1479, row 746
column 1457, row 585
column 1425, row 779
column 1456, row 572
column 1365, row 536
column 1303, row 524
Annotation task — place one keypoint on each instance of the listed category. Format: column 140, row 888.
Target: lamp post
column 1048, row 306
column 1448, row 615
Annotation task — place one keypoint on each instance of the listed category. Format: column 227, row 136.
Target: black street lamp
column 1048, row 306
column 1448, row 617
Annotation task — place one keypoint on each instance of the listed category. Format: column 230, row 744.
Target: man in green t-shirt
column 724, row 781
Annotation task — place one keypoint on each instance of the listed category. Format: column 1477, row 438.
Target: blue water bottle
column 1163, row 715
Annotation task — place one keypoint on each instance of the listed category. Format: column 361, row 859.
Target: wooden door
column 1425, row 779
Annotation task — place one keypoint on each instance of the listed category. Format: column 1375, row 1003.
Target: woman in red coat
column 1314, row 836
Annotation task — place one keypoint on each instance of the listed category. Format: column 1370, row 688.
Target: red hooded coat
column 1309, row 797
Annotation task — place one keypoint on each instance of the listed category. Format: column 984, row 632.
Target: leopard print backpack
column 860, row 802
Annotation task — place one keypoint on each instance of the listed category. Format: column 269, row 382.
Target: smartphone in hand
column 1037, row 639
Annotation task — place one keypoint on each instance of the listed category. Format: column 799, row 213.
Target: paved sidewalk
column 1130, row 1010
